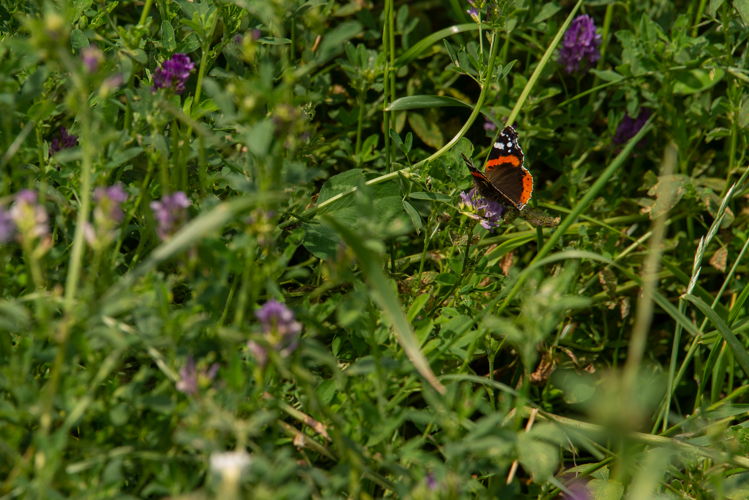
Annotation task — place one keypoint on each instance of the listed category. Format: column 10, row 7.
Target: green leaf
column 124, row 156
column 338, row 185
column 538, row 450
column 742, row 6
column 334, row 40
column 606, row 489
column 167, row 36
column 739, row 352
column 696, row 80
column 259, row 137
column 429, row 132
column 417, row 306
column 420, row 195
column 546, row 12
column 607, row 75
column 78, row 39
column 414, row 215
column 713, row 6
column 425, row 101
column 321, row 240
column 430, row 40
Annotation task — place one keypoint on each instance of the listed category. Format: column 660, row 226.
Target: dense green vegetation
column 239, row 257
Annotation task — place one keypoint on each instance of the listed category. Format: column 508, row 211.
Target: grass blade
column 742, row 356
column 382, row 291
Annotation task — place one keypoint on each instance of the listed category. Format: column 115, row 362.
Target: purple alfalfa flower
column 62, row 140
column 577, row 489
column 487, row 212
column 108, row 202
column 91, row 57
column 274, row 316
column 190, row 378
column 170, row 213
column 280, row 331
column 629, row 127
column 581, row 42
column 490, row 126
column 107, row 215
column 173, row 73
column 7, row 226
column 431, row 481
column 29, row 217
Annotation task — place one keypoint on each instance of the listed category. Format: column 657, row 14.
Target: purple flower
column 62, row 140
column 489, row 126
column 275, row 316
column 487, row 212
column 170, row 213
column 108, row 201
column 190, row 377
column 629, row 127
column 29, row 217
column 431, row 481
column 107, row 216
column 173, row 73
column 280, row 329
column 91, row 57
column 7, row 226
column 577, row 490
column 580, row 42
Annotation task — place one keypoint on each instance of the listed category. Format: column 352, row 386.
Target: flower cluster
column 280, row 330
column 170, row 213
column 92, row 57
column 173, row 73
column 26, row 222
column 487, row 212
column 107, row 215
column 29, row 217
column 473, row 11
column 581, row 42
column 629, row 127
column 190, row 378
column 62, row 140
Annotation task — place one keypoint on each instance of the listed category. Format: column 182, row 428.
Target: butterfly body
column 505, row 178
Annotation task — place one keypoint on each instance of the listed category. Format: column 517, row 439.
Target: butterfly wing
column 485, row 186
column 505, row 170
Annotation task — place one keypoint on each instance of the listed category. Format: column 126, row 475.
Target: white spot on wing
column 499, row 145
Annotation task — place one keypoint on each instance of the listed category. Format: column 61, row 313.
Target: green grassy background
column 319, row 142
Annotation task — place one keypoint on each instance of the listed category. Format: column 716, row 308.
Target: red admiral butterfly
column 505, row 178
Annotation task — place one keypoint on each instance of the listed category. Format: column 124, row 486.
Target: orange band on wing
column 527, row 188
column 511, row 159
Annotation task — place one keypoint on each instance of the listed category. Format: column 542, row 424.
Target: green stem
column 144, row 12
column 76, row 254
column 202, row 164
column 386, row 84
column 698, row 16
column 360, row 125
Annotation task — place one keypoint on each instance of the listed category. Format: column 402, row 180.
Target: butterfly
column 505, row 179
